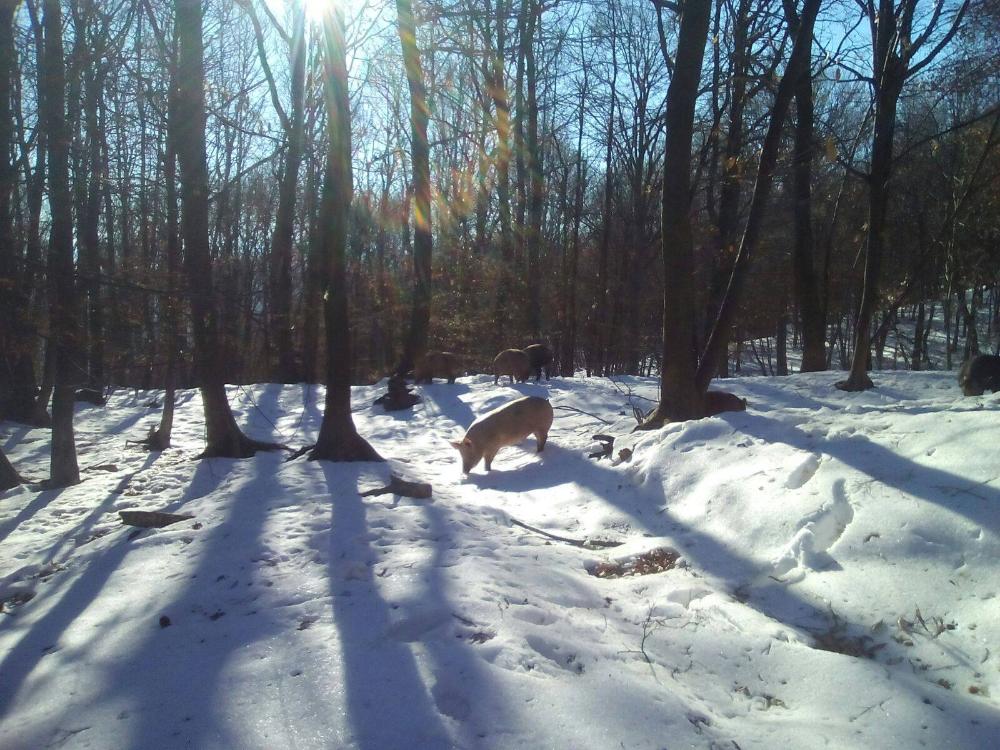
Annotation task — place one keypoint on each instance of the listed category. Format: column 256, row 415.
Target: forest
column 244, row 191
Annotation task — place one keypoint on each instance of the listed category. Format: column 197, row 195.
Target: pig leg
column 488, row 459
column 541, row 437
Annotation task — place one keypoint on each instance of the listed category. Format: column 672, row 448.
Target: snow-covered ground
column 837, row 583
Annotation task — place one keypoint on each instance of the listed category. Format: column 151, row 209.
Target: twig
column 584, row 543
column 581, row 411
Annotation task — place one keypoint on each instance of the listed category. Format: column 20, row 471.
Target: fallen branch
column 300, row 452
column 151, row 519
column 581, row 411
column 399, row 486
column 584, row 543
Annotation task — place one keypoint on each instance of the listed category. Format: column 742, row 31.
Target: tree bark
column 338, row 438
column 806, row 288
column 679, row 397
column 64, row 331
column 420, row 317
column 223, row 436
column 9, row 478
column 17, row 377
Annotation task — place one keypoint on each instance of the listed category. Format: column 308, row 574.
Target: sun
column 314, row 8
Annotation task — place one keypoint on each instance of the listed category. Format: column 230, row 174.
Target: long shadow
column 443, row 400
column 127, row 422
column 77, row 534
column 463, row 687
column 43, row 637
column 40, row 500
column 541, row 472
column 173, row 676
column 979, row 503
column 389, row 706
column 771, row 598
column 16, row 437
column 265, row 410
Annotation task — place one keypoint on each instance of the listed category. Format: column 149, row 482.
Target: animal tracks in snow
column 803, row 472
column 816, row 534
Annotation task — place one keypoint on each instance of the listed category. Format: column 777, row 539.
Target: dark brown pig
column 979, row 374
column 506, row 425
column 539, row 358
column 513, row 362
column 717, row 402
column 437, row 365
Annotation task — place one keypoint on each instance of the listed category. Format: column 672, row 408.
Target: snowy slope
column 837, row 583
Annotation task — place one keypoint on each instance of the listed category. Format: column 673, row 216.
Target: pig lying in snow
column 506, row 425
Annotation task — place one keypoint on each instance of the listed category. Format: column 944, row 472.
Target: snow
column 837, row 582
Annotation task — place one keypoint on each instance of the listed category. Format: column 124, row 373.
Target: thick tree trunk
column 420, row 317
column 17, row 377
column 9, row 477
column 680, row 399
column 806, row 288
column 338, row 438
column 64, row 330
column 223, row 436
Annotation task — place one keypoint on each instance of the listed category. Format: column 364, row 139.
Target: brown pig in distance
column 437, row 365
column 512, row 362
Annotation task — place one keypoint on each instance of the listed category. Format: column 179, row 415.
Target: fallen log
column 400, row 486
column 151, row 519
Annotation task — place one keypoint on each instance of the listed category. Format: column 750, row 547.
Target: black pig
column 981, row 373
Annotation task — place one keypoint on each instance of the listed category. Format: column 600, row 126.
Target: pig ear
column 467, row 441
column 456, row 443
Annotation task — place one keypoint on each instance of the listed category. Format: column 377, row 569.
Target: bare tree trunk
column 338, row 438
column 797, row 63
column 63, row 467
column 680, row 399
column 17, row 377
column 9, row 478
column 159, row 439
column 416, row 339
column 536, row 200
column 805, row 287
column 224, row 438
column 889, row 85
column 599, row 323
column 567, row 360
column 917, row 355
column 730, row 193
column 285, row 369
column 494, row 74
column 893, row 50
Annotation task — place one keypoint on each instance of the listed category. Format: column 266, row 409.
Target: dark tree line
column 195, row 194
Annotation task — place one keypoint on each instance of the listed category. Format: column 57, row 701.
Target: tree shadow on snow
column 43, row 638
column 747, row 581
column 173, row 678
column 976, row 501
column 388, row 703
